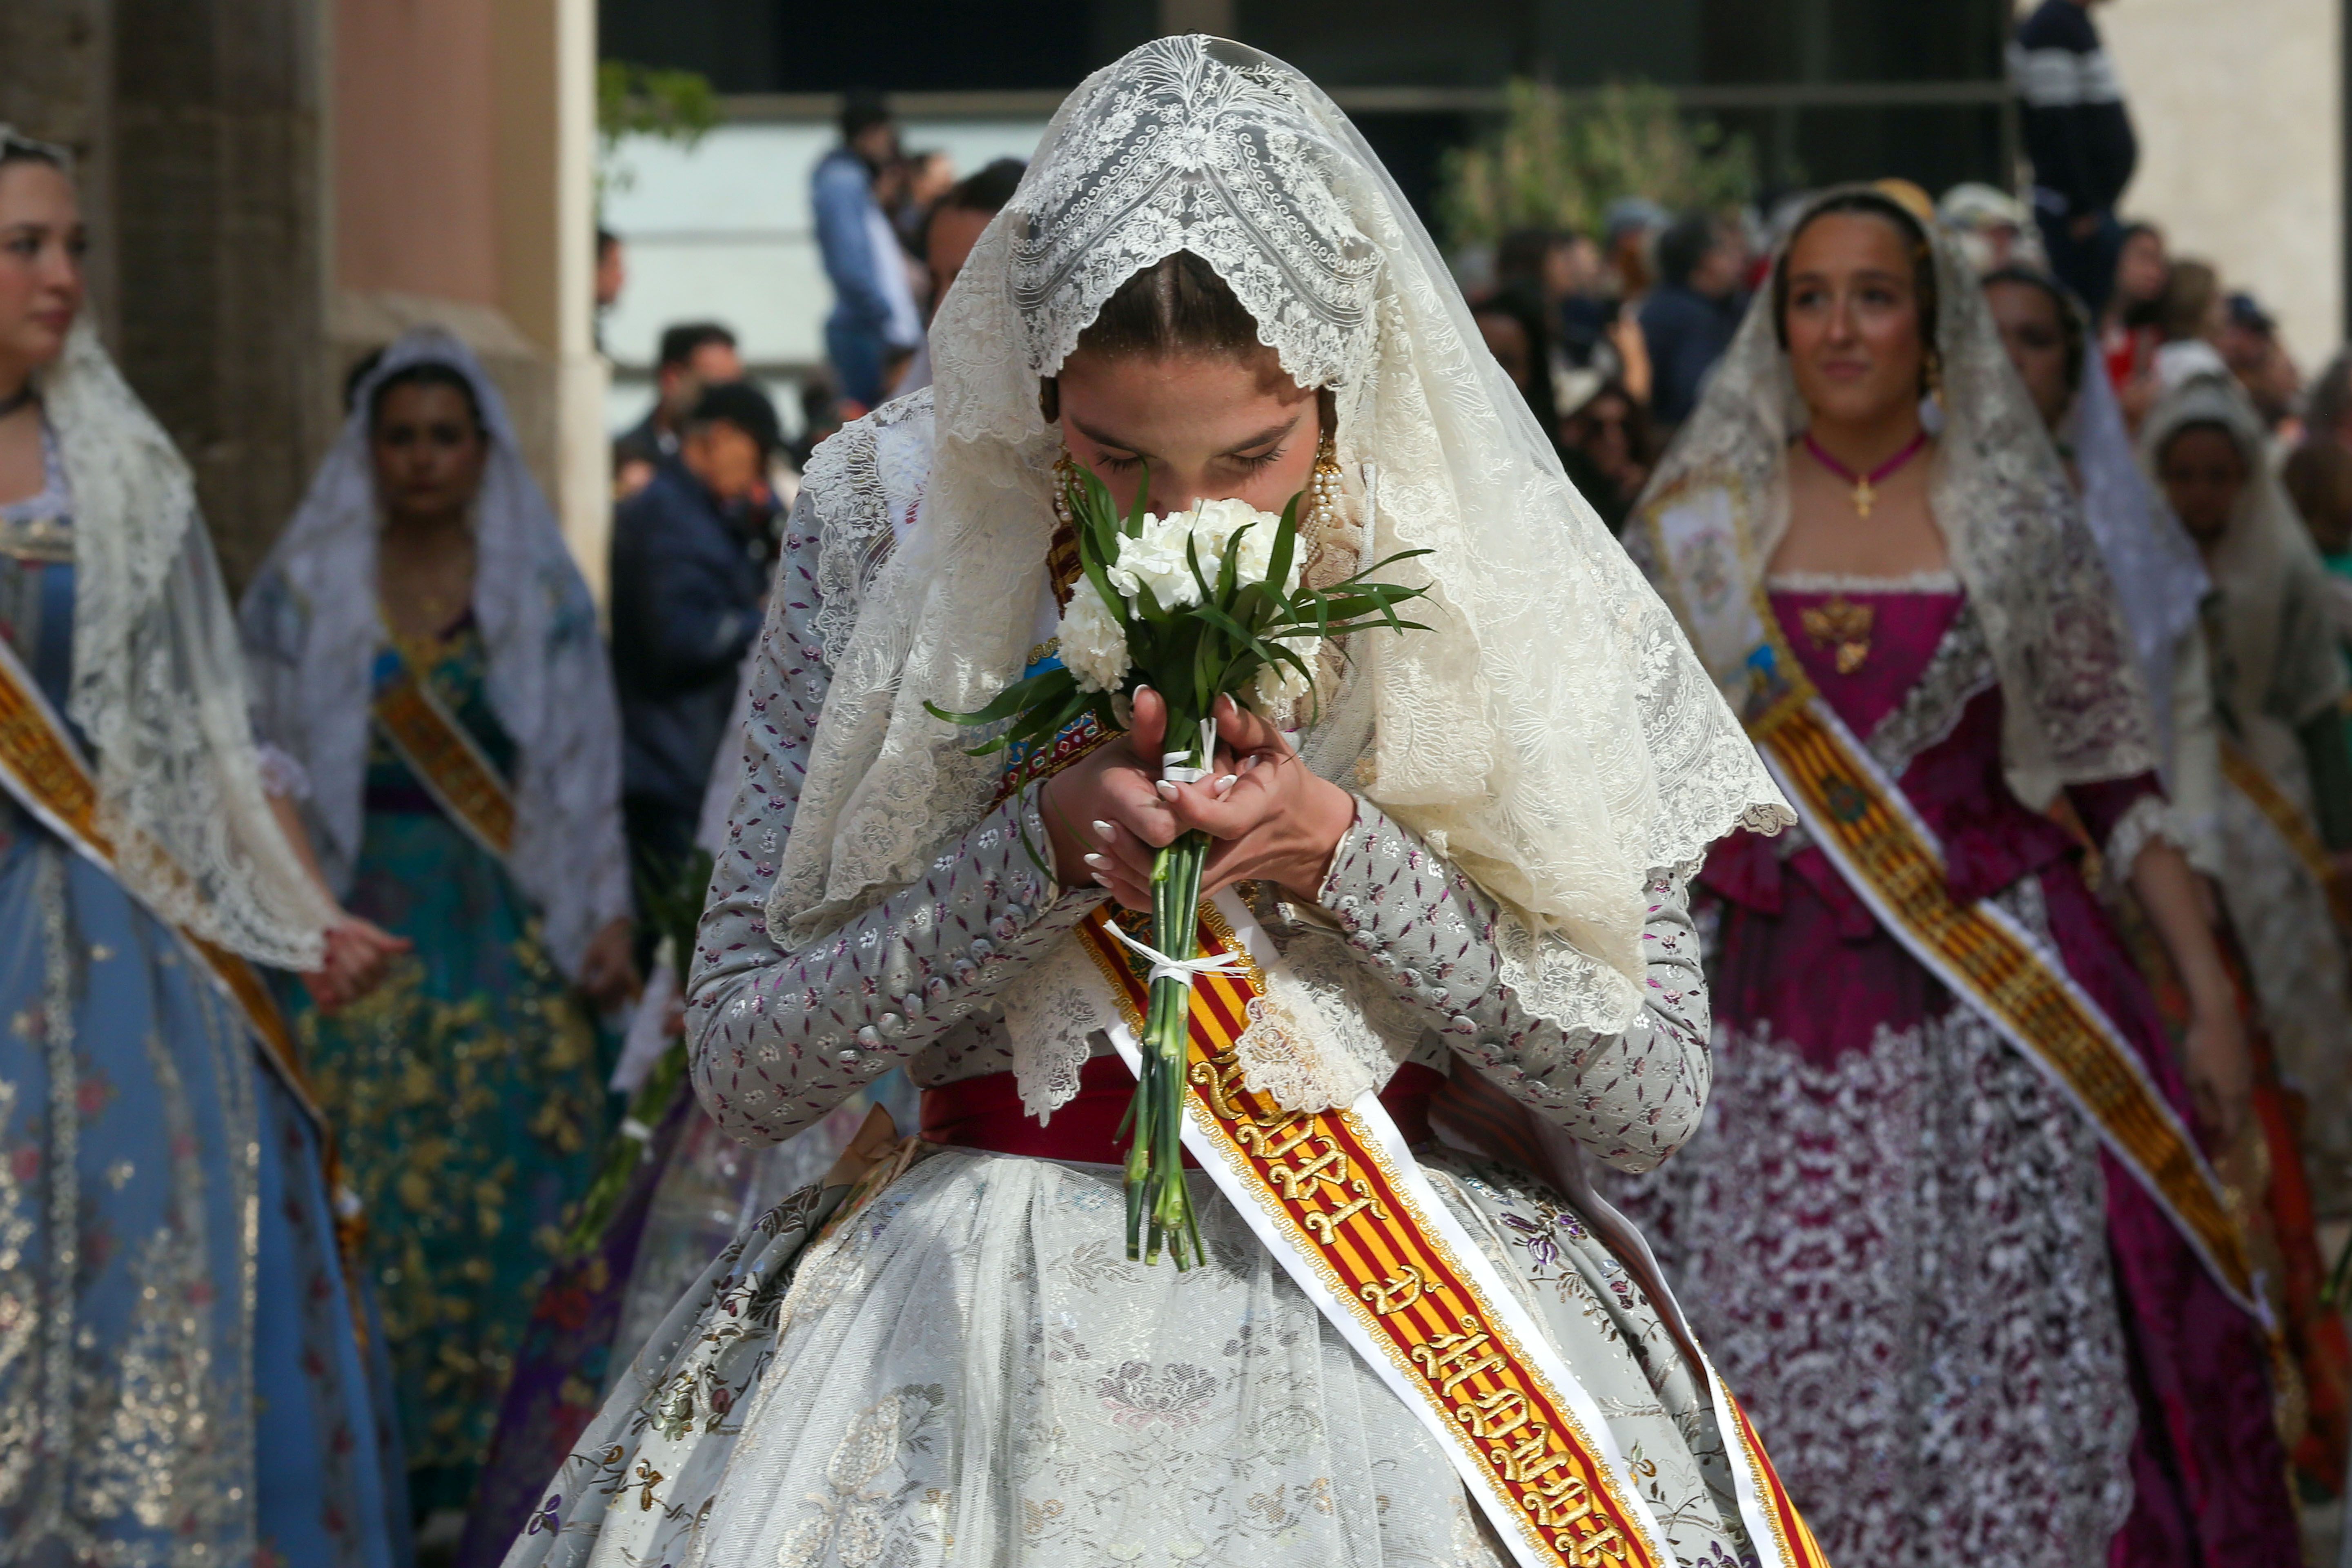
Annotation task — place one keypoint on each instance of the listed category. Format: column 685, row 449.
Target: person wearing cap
column 692, row 553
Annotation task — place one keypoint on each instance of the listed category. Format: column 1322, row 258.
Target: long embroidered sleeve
column 1429, row 933
column 782, row 1038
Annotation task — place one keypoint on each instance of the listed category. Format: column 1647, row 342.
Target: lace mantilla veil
column 312, row 631
column 2075, row 708
column 1553, row 735
column 158, row 688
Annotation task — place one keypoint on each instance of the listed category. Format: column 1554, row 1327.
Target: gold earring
column 1065, row 484
column 1324, row 495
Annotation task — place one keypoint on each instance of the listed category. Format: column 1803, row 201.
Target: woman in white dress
column 1471, row 865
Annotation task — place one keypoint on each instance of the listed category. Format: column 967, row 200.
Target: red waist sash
column 986, row 1112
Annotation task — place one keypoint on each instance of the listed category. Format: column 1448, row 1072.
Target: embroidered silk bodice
column 1918, row 689
column 37, row 578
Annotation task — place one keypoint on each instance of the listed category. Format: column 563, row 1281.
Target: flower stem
column 1159, row 1203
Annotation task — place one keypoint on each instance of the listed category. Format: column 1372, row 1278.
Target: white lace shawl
column 1554, row 735
column 312, row 632
column 2158, row 579
column 2075, row 709
column 157, row 685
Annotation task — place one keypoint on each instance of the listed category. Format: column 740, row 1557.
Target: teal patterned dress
column 468, row 1093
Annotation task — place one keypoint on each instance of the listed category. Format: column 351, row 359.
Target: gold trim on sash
column 2290, row 822
column 1340, row 1202
column 445, row 759
column 1861, row 822
column 42, row 769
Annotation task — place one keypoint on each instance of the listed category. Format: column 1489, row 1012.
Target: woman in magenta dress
column 1928, row 1227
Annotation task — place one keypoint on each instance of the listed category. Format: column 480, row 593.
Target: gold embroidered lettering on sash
column 1395, row 1293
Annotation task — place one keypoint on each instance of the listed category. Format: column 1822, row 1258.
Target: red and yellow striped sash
column 1861, row 821
column 1334, row 1196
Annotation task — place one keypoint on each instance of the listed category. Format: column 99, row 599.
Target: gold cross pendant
column 1864, row 497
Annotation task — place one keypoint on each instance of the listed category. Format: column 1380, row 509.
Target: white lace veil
column 2075, row 709
column 2158, row 579
column 157, row 685
column 312, row 631
column 1553, row 735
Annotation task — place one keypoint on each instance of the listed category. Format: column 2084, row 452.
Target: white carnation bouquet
column 1196, row 604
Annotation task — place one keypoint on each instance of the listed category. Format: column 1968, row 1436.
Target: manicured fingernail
column 1097, row 861
column 1106, row 832
column 1227, row 783
column 1101, row 880
column 1167, row 790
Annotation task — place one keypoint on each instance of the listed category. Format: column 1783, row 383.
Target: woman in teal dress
column 424, row 652
column 184, row 1374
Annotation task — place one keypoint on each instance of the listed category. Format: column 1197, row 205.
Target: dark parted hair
column 2072, row 317
column 743, row 406
column 1177, row 305
column 987, row 189
column 1874, row 204
column 424, row 373
column 679, row 343
column 1519, row 302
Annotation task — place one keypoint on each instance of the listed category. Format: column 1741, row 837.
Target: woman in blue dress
column 183, row 1373
column 421, row 643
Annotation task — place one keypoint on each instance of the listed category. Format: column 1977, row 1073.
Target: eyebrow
column 1105, row 438
column 1876, row 274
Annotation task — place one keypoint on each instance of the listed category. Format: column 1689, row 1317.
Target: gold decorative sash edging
column 2290, row 822
column 1338, row 1199
column 1887, row 855
column 40, row 767
column 454, row 770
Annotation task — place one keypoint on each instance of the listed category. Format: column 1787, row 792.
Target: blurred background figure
column 950, row 228
column 2279, row 684
column 1993, row 227
column 874, row 319
column 1628, row 230
column 692, row 554
column 2131, row 326
column 1688, row 319
column 423, row 649
column 2248, row 344
column 694, row 355
column 2079, row 137
column 2319, row 477
column 1608, row 448
column 612, row 275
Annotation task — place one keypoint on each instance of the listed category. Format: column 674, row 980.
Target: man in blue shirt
column 868, row 321
column 1689, row 319
column 692, row 553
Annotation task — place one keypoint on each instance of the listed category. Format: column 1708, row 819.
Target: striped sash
column 1339, row 1201
column 447, row 760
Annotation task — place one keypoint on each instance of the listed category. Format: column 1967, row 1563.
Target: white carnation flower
column 1154, row 559
column 1218, row 522
column 1094, row 640
column 1276, row 685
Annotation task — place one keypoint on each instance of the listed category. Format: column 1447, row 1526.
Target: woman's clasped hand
column 1272, row 818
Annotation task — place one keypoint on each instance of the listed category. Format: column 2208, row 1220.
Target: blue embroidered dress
column 181, row 1379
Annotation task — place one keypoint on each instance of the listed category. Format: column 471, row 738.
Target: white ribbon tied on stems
column 1183, row 970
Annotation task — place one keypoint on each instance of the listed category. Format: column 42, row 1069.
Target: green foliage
column 1560, row 158
column 646, row 101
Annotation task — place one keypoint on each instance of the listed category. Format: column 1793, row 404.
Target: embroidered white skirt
column 971, row 1370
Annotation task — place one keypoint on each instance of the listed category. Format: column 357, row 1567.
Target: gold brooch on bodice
column 1841, row 624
